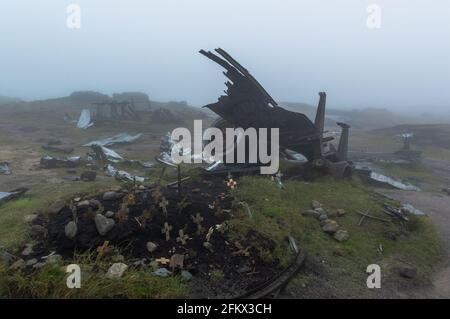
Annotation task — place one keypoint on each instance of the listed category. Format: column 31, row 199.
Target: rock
column 30, row 218
column 331, row 213
column 88, row 176
column 323, row 217
column 110, row 214
column 311, row 213
column 83, row 204
column 324, row 222
column 39, row 265
column 341, row 235
column 28, row 250
column 340, row 212
column 331, row 227
column 315, row 204
column 38, row 232
column 103, row 224
column 31, row 262
column 244, row 269
column 151, row 247
column 162, row 272
column 110, row 196
column 139, row 263
column 116, row 270
column 54, row 259
column 6, row 258
column 186, row 275
column 95, row 203
column 320, row 210
column 71, row 230
column 19, row 264
column 57, row 206
column 407, row 271
column 208, row 246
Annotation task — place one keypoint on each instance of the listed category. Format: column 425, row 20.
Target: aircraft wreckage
column 247, row 104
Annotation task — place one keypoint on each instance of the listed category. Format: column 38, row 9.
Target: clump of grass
column 50, row 282
column 216, row 275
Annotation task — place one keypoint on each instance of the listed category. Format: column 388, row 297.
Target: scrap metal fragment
column 4, row 168
column 122, row 175
column 84, row 122
column 122, row 138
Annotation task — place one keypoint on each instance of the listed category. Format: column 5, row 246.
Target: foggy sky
column 294, row 48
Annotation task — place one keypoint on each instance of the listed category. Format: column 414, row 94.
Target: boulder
column 103, row 224
column 88, row 176
column 28, row 250
column 19, row 264
column 340, row 212
column 94, row 203
column 110, row 196
column 331, row 227
column 341, row 235
column 71, row 230
column 186, row 275
column 151, row 247
column 31, row 262
column 109, row 214
column 116, row 270
column 6, row 258
column 84, row 204
column 407, row 271
column 320, row 210
column 56, row 207
column 38, row 232
column 315, row 204
column 311, row 213
column 30, row 219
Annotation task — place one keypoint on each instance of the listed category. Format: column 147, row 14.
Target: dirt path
column 437, row 206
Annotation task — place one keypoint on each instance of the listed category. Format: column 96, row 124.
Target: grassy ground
column 337, row 269
column 413, row 173
column 333, row 269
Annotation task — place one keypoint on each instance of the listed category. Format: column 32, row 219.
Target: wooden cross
column 104, row 249
column 131, row 200
column 197, row 219
column 231, row 183
column 162, row 261
column 166, row 230
column 163, row 204
column 209, row 234
column 182, row 238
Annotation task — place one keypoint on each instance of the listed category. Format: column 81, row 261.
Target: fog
column 294, row 48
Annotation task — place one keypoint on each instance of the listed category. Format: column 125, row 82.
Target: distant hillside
column 423, row 134
column 79, row 100
column 8, row 100
column 364, row 119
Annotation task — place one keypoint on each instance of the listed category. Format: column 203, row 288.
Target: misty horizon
column 294, row 49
